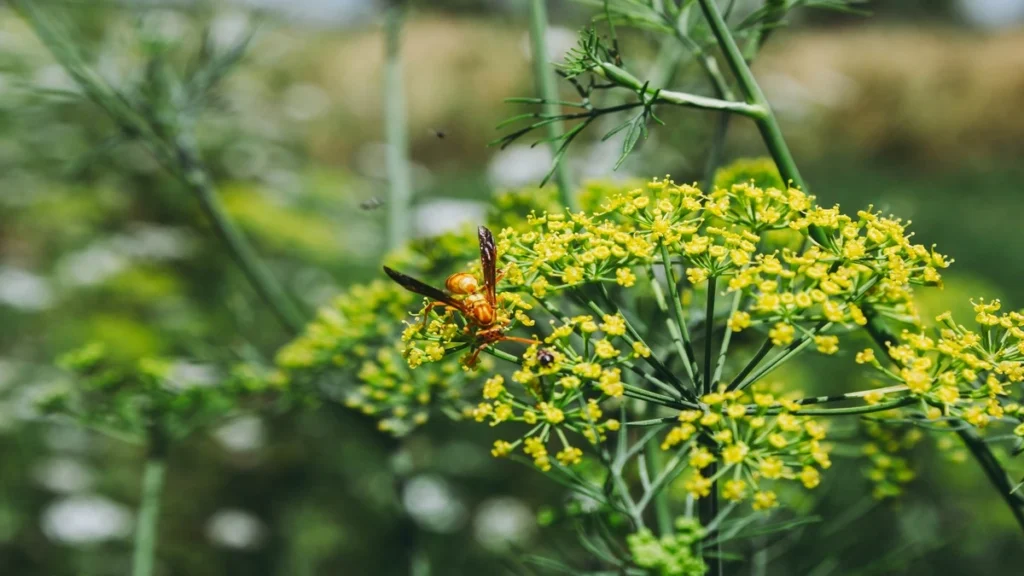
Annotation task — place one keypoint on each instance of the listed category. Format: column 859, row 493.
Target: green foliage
column 146, row 401
column 670, row 555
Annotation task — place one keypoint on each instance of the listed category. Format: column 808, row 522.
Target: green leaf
column 637, row 127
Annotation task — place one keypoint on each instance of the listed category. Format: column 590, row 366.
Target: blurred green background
column 912, row 110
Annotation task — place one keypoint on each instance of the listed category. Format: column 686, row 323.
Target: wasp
column 463, row 293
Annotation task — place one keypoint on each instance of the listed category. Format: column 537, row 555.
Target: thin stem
column 256, row 272
column 397, row 133
column 544, row 79
column 635, row 336
column 791, row 351
column 627, row 80
column 726, row 339
column 149, row 514
column 994, row 471
column 866, row 409
column 662, row 509
column 766, row 347
column 685, row 347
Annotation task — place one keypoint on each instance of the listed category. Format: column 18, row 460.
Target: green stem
column 662, row 509
column 726, row 339
column 259, row 276
column 767, row 123
column 683, row 342
column 625, row 79
column 709, row 323
column 708, row 514
column 149, row 514
column 397, row 134
column 994, row 471
column 545, row 85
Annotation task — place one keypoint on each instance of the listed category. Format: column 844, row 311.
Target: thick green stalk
column 767, row 124
column 149, row 514
column 546, row 90
column 397, row 134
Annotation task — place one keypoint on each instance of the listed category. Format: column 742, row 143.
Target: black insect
column 545, row 357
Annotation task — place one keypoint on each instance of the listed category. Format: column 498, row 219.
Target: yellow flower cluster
column 839, row 267
column 755, row 439
column 962, row 373
column 357, row 337
column 561, row 385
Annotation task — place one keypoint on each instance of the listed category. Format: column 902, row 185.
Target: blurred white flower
column 431, row 503
column 90, row 266
column 24, row 290
column 236, row 529
column 519, row 165
column 443, row 215
column 244, row 434
column 185, row 374
column 501, row 522
column 150, row 242
column 229, row 29
column 86, row 519
column 65, row 475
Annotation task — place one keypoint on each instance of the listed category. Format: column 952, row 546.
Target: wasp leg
column 471, row 361
column 431, row 306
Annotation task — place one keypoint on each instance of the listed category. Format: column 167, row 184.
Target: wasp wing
column 413, row 285
column 488, row 261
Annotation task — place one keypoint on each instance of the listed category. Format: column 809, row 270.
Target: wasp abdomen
column 461, row 283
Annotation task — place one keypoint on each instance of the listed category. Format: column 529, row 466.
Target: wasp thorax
column 461, row 283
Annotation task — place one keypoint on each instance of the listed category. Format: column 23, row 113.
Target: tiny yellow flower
column 570, row 456
column 739, row 320
column 734, row 490
column 701, row 458
column 781, row 334
column 501, row 449
column 827, row 344
column 625, row 277
column 640, row 350
column 810, row 477
column 764, row 500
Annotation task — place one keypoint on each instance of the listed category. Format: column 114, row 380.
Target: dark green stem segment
column 994, row 471
column 546, row 90
column 241, row 250
column 709, row 323
column 708, row 514
column 149, row 514
column 397, row 134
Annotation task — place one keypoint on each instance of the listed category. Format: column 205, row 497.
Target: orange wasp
column 478, row 306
